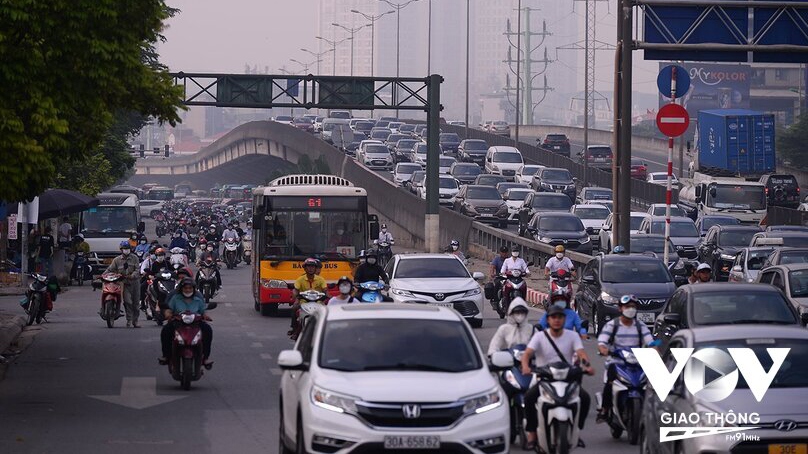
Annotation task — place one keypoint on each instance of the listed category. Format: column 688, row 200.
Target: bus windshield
column 102, row 220
column 161, row 194
column 301, row 233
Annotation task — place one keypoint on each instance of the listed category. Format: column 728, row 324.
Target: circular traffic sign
column 672, row 120
column 664, row 81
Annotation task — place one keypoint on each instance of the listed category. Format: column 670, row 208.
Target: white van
column 330, row 123
column 505, row 161
column 115, row 219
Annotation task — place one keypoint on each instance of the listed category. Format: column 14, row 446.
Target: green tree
column 69, row 67
column 791, row 142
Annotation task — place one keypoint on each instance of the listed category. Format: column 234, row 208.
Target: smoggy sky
column 222, row 36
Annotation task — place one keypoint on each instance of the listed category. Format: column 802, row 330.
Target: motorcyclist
column 543, row 345
column 516, row 329
column 370, row 271
column 623, row 331
column 230, row 232
column 153, row 264
column 248, row 229
column 142, row 249
column 572, row 321
column 310, row 280
column 454, row 249
column 385, row 235
column 79, row 245
column 702, row 274
column 128, row 266
column 514, row 262
column 214, row 257
column 496, row 263
column 187, row 300
column 178, row 241
column 559, row 262
column 133, row 240
column 345, row 296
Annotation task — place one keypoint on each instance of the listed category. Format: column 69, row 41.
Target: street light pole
column 372, row 20
column 398, row 7
column 352, row 31
column 333, row 45
column 468, row 32
column 317, row 56
column 429, row 38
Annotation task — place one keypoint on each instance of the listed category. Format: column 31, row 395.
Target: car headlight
column 546, row 185
column 570, row 186
column 585, row 239
column 503, row 208
column 400, row 292
column 472, row 292
column 331, row 401
column 727, row 257
column 680, row 265
column 545, row 239
column 608, row 300
column 482, row 403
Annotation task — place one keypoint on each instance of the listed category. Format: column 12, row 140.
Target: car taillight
column 766, row 191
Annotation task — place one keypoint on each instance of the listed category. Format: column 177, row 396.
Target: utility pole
column 333, row 44
column 525, row 73
column 622, row 131
column 398, row 7
column 372, row 19
column 589, row 45
column 352, row 31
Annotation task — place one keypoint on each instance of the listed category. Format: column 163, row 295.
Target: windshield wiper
column 408, row 366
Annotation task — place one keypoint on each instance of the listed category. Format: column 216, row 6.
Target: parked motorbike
column 384, row 251
column 230, row 253
column 516, row 384
column 37, row 299
column 193, row 242
column 186, row 361
column 513, row 286
column 157, row 292
column 111, row 297
column 206, row 279
column 559, row 407
column 628, row 391
column 246, row 245
column 81, row 270
column 370, row 292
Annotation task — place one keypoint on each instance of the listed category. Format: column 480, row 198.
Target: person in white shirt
column 345, row 293
column 514, row 262
column 559, row 262
column 385, row 236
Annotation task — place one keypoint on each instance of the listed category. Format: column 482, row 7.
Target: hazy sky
column 221, row 36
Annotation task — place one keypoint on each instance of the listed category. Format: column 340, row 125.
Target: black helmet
column 187, row 281
column 454, row 243
column 371, row 253
column 344, row 279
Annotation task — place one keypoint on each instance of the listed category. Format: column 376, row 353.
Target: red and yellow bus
column 300, row 216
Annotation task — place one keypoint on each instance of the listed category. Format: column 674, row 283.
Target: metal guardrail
column 786, row 216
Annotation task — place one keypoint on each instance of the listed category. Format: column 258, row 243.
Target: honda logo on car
column 411, row 411
column 726, row 364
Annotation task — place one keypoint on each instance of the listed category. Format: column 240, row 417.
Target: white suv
column 373, row 377
column 437, row 280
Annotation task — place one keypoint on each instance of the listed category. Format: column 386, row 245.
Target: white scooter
column 246, row 245
column 559, row 407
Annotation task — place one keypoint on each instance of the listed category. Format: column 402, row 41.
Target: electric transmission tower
column 525, row 72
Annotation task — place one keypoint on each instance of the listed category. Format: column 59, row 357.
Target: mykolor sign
column 714, row 86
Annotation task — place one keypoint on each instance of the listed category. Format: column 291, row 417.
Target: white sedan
column 661, row 178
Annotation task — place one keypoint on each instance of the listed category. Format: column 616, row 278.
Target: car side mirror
column 737, row 269
column 590, row 231
column 532, row 229
column 501, row 361
column 291, row 360
column 575, row 179
column 478, row 276
column 672, row 319
column 589, row 279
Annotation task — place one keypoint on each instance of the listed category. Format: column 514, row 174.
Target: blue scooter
column 371, row 292
column 628, row 392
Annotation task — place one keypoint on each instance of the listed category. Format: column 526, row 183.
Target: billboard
column 714, row 86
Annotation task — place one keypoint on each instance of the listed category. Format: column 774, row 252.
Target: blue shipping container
column 738, row 140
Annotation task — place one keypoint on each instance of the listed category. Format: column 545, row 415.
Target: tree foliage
column 69, row 66
column 791, row 142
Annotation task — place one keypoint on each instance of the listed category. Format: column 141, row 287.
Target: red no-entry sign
column 672, row 120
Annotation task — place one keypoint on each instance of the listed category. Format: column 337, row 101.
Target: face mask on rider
column 630, row 312
column 187, row 293
column 514, row 254
column 125, row 251
column 372, row 260
column 454, row 248
column 161, row 258
column 384, row 230
column 210, row 248
column 345, row 289
column 340, row 231
column 560, row 255
column 519, row 318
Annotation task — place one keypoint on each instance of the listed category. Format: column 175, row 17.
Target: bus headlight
column 273, row 283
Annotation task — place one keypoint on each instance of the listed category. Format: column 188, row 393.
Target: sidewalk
column 11, row 326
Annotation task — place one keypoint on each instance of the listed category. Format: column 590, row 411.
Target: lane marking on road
column 257, row 345
column 275, row 371
column 250, row 334
column 228, row 304
column 138, row 393
column 266, row 356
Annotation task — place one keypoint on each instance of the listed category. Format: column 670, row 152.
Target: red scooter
column 560, row 283
column 111, row 297
column 187, row 361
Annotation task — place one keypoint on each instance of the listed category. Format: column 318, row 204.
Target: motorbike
column 206, row 279
column 193, row 242
column 157, row 292
column 313, row 301
column 628, row 391
column 246, row 244
column 230, row 253
column 37, row 299
column 513, row 286
column 186, row 361
column 160, row 229
column 384, row 251
column 516, row 384
column 560, row 280
column 81, row 270
column 178, row 259
column 370, row 292
column 559, row 407
column 111, row 297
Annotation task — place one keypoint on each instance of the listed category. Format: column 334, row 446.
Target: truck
column 734, row 148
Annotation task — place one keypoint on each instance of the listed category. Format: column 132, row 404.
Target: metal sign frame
column 258, row 91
